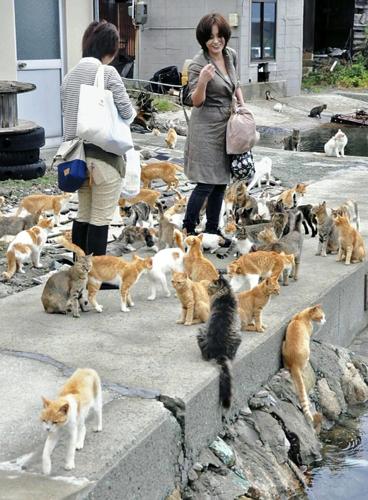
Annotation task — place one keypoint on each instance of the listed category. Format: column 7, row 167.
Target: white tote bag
column 98, row 119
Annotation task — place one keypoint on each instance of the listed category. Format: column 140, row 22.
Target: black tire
column 9, row 158
column 25, row 172
column 23, row 141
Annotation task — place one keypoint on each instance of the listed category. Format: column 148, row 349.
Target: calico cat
column 13, row 225
column 194, row 299
column 351, row 243
column 108, row 268
column 81, row 392
column 296, row 352
column 263, row 169
column 164, row 170
column 27, row 245
column 290, row 197
column 219, row 339
column 317, row 110
column 65, row 290
column 327, row 231
column 195, row 264
column 252, row 302
column 241, row 243
column 292, row 142
column 249, row 268
column 336, row 145
column 128, row 237
column 165, row 261
column 171, row 138
column 147, row 195
column 40, row 203
column 136, row 214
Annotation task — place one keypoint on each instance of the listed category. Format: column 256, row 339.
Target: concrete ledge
column 146, row 449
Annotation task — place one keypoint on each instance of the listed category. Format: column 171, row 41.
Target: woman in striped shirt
column 99, row 195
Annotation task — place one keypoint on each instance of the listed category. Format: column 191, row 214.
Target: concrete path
column 160, row 398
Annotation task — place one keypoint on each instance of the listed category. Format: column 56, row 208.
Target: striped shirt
column 85, row 72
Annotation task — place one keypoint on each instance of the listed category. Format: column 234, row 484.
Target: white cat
column 336, row 144
column 163, row 262
column 263, row 169
column 212, row 242
column 80, row 393
column 278, row 107
column 27, row 245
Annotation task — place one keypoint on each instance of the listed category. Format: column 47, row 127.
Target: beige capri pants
column 98, row 196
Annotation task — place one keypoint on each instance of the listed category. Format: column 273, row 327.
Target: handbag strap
column 99, row 79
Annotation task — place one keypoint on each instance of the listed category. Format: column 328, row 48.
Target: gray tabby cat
column 292, row 142
column 65, row 290
column 13, row 225
column 327, row 232
column 129, row 236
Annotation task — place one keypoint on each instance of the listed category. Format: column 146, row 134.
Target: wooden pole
column 8, row 110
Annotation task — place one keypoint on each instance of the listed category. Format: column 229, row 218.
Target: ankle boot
column 97, row 239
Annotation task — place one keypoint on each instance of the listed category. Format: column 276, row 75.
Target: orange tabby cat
column 179, row 206
column 80, row 393
column 40, row 203
column 289, row 197
column 171, row 138
column 27, row 245
column 250, row 267
column 113, row 269
column 351, row 243
column 252, row 302
column 296, row 351
column 195, row 264
column 147, row 195
column 194, row 299
column 164, row 170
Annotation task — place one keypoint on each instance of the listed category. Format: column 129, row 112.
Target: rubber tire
column 9, row 158
column 25, row 172
column 23, row 141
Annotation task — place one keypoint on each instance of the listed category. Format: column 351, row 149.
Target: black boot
column 96, row 244
column 79, row 235
column 97, row 239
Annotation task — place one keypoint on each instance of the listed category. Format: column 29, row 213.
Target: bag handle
column 99, row 80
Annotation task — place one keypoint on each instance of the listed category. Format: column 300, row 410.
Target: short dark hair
column 204, row 28
column 100, row 39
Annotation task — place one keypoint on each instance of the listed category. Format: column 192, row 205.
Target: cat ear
column 200, row 236
column 64, row 408
column 45, row 401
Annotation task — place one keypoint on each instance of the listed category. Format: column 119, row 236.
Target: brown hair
column 204, row 29
column 100, row 39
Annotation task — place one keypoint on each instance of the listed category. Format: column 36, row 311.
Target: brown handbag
column 241, row 134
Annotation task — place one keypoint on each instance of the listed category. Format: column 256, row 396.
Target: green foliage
column 347, row 76
column 162, row 105
column 49, row 179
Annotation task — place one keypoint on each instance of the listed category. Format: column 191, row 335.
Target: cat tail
column 12, row 265
column 297, row 377
column 70, row 246
column 226, row 391
column 178, row 239
column 178, row 167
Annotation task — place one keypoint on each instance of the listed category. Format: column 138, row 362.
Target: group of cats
column 335, row 146
column 268, row 248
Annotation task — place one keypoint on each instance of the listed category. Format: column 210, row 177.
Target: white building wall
column 78, row 15
column 8, row 50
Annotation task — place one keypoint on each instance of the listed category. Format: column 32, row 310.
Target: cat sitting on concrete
column 219, row 339
column 317, row 110
column 336, row 145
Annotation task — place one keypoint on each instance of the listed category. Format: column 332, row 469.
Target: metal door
column 39, row 53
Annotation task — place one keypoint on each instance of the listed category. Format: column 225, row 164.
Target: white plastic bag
column 131, row 183
column 98, row 119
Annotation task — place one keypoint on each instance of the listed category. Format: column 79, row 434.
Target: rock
column 223, row 451
column 272, row 434
column 175, row 495
column 328, row 401
column 353, row 385
column 192, row 475
column 198, row 467
column 207, row 458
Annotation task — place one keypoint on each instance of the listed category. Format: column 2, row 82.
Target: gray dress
column 205, row 158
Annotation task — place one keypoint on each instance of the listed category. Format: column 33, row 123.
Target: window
column 263, row 29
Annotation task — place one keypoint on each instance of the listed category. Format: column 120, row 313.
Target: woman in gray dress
column 213, row 85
